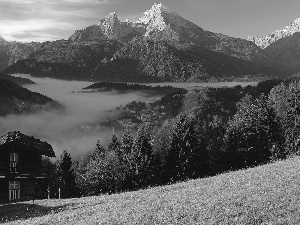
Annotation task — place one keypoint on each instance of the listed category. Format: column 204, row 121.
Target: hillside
column 16, row 99
column 286, row 51
column 18, row 80
column 65, row 59
column 160, row 61
column 267, row 194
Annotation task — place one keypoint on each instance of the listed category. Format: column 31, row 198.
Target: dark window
column 14, row 163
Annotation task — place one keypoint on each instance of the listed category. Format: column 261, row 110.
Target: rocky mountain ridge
column 160, row 46
column 267, row 40
column 11, row 52
column 163, row 24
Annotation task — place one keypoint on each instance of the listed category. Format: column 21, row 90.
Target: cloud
column 102, row 2
column 32, row 29
column 70, row 128
column 56, row 18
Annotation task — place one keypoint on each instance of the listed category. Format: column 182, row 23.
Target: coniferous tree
column 99, row 150
column 141, row 156
column 66, row 176
column 254, row 134
column 161, row 146
column 125, row 146
column 186, row 155
column 285, row 100
column 114, row 144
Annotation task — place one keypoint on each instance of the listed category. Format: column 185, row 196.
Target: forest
column 216, row 130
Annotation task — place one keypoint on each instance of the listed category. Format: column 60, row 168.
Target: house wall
column 30, row 163
column 3, row 162
column 27, row 190
column 3, row 191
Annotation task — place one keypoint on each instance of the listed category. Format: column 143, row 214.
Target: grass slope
column 268, row 194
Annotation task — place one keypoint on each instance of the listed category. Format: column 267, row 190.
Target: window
column 14, row 190
column 14, row 163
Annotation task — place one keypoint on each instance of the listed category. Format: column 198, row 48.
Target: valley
column 89, row 116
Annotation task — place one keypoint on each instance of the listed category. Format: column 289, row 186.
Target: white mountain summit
column 159, row 22
column 267, row 40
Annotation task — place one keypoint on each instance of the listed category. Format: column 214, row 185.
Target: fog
column 64, row 129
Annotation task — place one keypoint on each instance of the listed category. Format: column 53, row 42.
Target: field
column 268, row 194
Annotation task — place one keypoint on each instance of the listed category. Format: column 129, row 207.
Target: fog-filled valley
column 64, row 129
column 76, row 127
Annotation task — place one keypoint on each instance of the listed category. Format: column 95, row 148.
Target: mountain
column 160, row 46
column 109, row 28
column 153, row 61
column 267, row 40
column 4, row 57
column 11, row 52
column 16, row 99
column 64, row 59
column 163, row 24
column 283, row 46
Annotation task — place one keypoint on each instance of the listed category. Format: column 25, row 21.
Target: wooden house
column 21, row 170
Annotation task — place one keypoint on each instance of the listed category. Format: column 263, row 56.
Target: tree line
column 216, row 130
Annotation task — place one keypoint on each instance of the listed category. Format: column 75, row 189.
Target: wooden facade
column 21, row 171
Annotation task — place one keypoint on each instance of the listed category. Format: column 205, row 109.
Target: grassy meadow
column 268, row 194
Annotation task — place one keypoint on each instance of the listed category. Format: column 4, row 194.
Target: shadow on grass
column 12, row 212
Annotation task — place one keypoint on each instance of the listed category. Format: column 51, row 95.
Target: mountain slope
column 17, row 80
column 267, row 194
column 16, row 99
column 11, row 52
column 159, row 61
column 65, row 59
column 286, row 51
column 160, row 46
column 163, row 24
column 283, row 46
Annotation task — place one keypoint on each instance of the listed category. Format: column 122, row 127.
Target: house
column 21, row 173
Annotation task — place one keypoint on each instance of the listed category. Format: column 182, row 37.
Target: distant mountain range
column 161, row 46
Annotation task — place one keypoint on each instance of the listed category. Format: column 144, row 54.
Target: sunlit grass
column 268, row 194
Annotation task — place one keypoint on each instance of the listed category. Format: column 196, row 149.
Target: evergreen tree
column 161, row 147
column 285, row 100
column 125, row 146
column 66, row 176
column 99, row 150
column 141, row 156
column 254, row 134
column 186, row 155
column 114, row 144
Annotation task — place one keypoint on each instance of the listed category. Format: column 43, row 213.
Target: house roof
column 29, row 141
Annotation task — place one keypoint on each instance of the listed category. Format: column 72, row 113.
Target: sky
column 49, row 20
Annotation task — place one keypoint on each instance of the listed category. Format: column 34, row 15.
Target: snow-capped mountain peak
column 267, row 40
